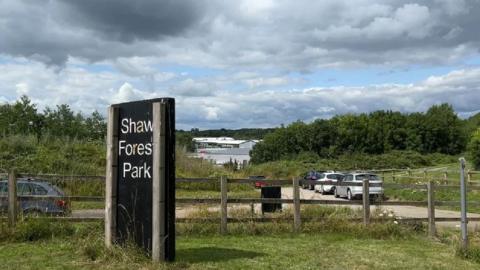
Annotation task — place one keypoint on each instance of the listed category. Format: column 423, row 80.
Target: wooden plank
column 404, row 186
column 195, row 180
column 297, row 223
column 263, row 219
column 111, row 177
column 223, row 204
column 12, row 198
column 267, row 181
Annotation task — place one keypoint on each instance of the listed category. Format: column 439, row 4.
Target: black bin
column 270, row 192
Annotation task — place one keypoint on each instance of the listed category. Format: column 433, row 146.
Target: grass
column 330, row 244
column 283, row 251
column 79, row 205
column 436, row 174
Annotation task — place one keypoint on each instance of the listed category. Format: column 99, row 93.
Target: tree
column 474, row 149
column 443, row 131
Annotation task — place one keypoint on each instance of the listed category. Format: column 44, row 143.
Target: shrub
column 474, row 149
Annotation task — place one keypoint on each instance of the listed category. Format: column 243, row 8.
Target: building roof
column 219, row 140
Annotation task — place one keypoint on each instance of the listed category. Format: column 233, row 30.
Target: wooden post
column 111, row 177
column 431, row 209
column 469, row 177
column 12, row 198
column 463, row 205
column 366, row 201
column 297, row 223
column 159, row 231
column 424, row 175
column 409, row 172
column 445, row 177
column 224, row 206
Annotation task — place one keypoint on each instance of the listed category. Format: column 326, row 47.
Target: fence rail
column 296, row 201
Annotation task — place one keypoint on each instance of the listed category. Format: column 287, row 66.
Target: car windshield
column 372, row 177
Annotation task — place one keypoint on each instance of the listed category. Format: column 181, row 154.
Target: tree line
column 438, row 130
column 24, row 118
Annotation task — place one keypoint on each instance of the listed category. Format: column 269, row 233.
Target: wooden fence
column 296, row 201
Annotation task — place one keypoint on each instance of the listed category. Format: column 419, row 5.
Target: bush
column 474, row 149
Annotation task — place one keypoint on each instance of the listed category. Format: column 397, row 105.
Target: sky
column 243, row 63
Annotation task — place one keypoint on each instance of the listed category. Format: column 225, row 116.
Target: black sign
column 135, row 173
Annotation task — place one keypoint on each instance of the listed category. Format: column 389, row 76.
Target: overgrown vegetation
column 394, row 159
column 474, row 149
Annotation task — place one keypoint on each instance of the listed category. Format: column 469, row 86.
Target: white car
column 328, row 182
column 353, row 192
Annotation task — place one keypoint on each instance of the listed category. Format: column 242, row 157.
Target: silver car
column 354, row 191
column 328, row 181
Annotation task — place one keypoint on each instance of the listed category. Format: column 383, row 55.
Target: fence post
column 366, row 201
column 12, row 198
column 445, row 177
column 463, row 205
column 111, row 177
column 469, row 177
column 296, row 206
column 424, row 175
column 431, row 208
column 223, row 202
column 159, row 177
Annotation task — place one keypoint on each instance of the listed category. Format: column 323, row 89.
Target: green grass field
column 284, row 251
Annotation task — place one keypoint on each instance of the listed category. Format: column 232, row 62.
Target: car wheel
column 349, row 195
column 335, row 193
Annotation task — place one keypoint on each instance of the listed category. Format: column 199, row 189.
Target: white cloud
column 22, row 89
column 273, row 81
column 200, row 103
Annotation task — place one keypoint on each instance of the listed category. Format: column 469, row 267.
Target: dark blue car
column 35, row 197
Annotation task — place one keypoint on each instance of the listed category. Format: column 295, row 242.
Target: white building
column 221, row 150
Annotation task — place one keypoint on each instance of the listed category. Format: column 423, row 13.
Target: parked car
column 259, row 180
column 30, row 202
column 311, row 175
column 353, row 192
column 328, row 182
